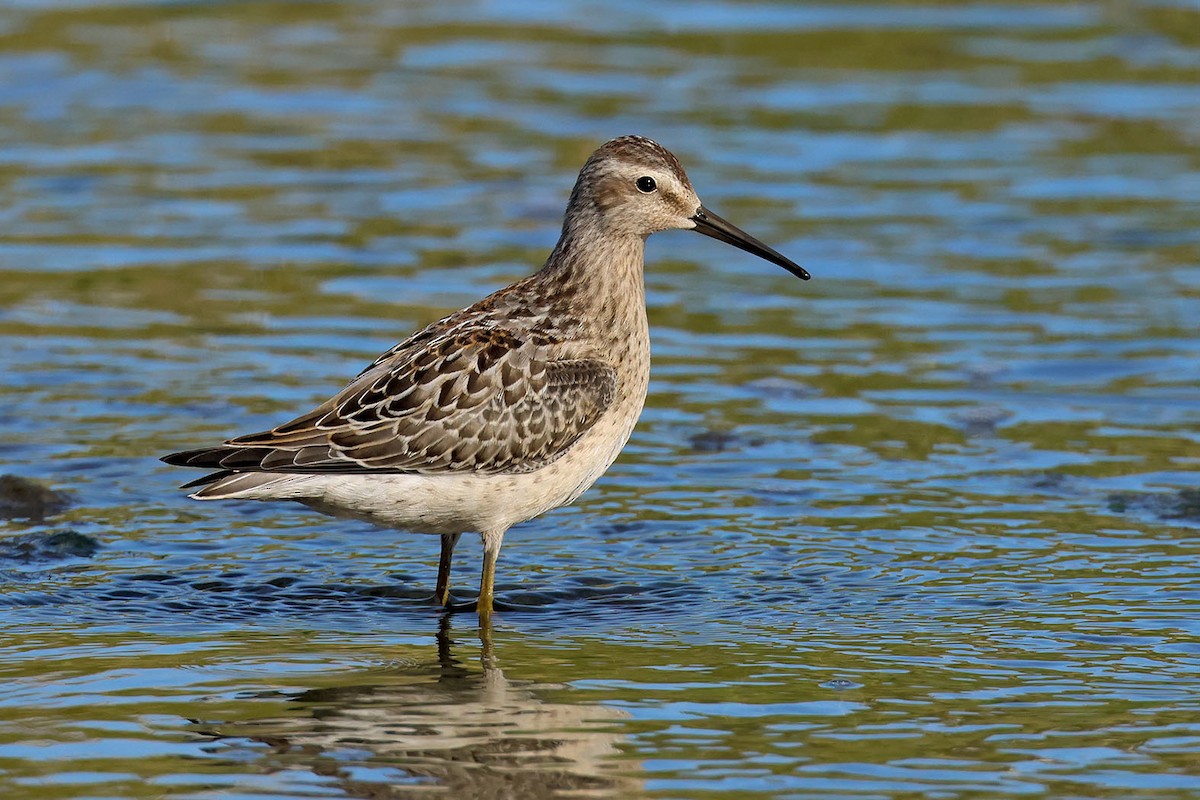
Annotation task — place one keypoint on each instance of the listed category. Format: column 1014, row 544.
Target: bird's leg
column 487, row 584
column 442, row 593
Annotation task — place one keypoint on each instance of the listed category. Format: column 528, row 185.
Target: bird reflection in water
column 412, row 729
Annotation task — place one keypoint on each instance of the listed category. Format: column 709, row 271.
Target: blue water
column 924, row 526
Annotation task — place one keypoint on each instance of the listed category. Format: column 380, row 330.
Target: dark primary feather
column 451, row 398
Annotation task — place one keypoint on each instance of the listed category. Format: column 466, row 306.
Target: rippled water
column 925, row 526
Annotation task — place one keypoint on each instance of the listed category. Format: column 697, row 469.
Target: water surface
column 924, row 526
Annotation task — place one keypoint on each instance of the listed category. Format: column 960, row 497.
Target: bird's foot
column 473, row 605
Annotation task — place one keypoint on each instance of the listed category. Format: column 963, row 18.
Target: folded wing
column 483, row 400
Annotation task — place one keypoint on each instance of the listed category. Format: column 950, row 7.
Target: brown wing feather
column 478, row 400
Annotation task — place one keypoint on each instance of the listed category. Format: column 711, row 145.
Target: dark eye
column 645, row 184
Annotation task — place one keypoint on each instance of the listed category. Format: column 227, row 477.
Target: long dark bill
column 712, row 225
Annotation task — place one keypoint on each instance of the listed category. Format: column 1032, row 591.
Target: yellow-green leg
column 442, row 593
column 487, row 584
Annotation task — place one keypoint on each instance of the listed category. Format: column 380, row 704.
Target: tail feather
column 229, row 484
column 212, row 477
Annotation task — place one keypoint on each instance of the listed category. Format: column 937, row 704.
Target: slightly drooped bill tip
column 722, row 230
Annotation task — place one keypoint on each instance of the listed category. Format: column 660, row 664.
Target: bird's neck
column 592, row 265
